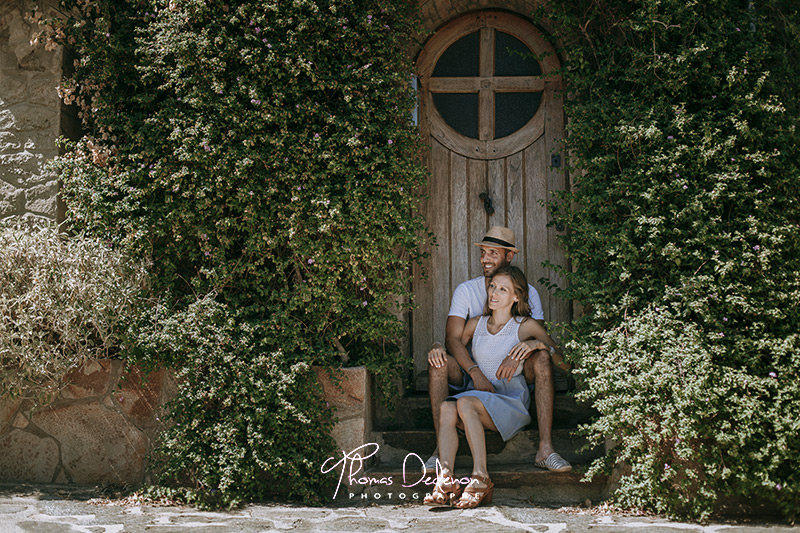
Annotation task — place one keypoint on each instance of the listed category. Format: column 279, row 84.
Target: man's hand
column 507, row 368
column 524, row 349
column 437, row 356
column 480, row 381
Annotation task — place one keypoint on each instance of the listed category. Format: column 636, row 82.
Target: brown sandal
column 474, row 496
column 446, row 490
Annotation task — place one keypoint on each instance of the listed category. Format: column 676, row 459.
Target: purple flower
column 364, row 303
column 257, row 30
column 316, row 135
column 721, row 334
column 773, row 375
column 310, row 261
column 779, row 486
column 724, row 319
column 685, row 187
column 670, row 137
column 666, row 466
column 391, row 141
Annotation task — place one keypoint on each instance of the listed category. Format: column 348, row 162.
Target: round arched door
column 491, row 113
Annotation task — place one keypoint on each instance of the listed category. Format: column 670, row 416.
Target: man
column 450, row 367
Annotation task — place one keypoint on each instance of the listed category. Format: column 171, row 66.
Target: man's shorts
column 466, row 381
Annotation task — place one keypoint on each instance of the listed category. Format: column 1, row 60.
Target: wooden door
column 491, row 112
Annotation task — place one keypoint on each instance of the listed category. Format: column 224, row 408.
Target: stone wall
column 30, row 114
column 99, row 429
column 436, row 13
column 105, row 421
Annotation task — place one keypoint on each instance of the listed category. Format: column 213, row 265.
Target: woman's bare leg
column 448, row 436
column 475, row 418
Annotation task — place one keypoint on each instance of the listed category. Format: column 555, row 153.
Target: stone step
column 415, row 446
column 382, row 484
column 413, row 412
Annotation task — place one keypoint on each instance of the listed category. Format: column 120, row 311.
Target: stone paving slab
column 45, row 511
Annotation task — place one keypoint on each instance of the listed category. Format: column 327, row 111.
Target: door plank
column 515, row 205
column 478, row 221
column 459, row 223
column 556, row 180
column 536, row 232
column 440, row 269
column 497, row 191
column 429, row 322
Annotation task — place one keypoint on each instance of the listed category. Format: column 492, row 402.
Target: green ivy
column 683, row 237
column 261, row 152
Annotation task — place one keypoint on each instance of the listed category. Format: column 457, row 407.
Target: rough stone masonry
column 31, row 114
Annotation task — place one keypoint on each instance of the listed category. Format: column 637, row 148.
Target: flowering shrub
column 63, row 301
column 684, row 240
column 247, row 424
column 262, row 152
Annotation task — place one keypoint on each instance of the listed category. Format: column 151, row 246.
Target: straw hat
column 499, row 237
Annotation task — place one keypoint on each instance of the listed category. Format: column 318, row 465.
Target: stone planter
column 352, row 403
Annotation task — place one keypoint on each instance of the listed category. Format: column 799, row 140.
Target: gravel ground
column 59, row 509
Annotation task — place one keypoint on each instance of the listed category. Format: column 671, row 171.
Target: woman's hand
column 524, row 349
column 507, row 368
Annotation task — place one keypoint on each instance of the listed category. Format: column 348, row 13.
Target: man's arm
column 533, row 332
column 457, row 347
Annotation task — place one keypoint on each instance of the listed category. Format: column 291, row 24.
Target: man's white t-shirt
column 470, row 297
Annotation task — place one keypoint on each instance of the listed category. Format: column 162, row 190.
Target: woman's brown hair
column 520, row 284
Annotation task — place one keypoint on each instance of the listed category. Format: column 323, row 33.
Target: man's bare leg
column 438, row 379
column 544, row 396
column 538, row 369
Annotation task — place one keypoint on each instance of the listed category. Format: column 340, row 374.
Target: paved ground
column 45, row 510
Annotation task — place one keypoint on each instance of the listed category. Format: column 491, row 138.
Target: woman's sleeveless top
column 489, row 350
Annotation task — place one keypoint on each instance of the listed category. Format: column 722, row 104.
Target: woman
column 506, row 322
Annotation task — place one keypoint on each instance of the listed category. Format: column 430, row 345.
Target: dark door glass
column 513, row 58
column 513, row 110
column 460, row 111
column 461, row 59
